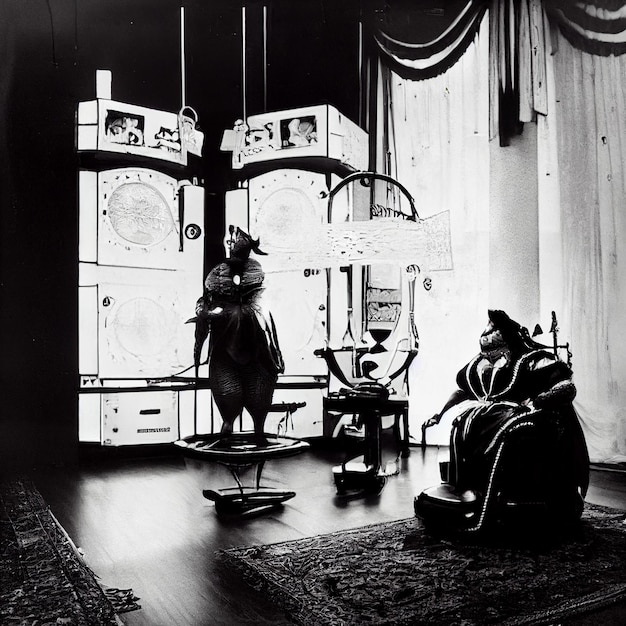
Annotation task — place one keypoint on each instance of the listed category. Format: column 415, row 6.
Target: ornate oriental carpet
column 43, row 578
column 395, row 574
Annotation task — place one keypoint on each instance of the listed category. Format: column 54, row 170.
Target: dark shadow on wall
column 49, row 53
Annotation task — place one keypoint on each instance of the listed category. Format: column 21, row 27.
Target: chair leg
column 406, row 451
column 402, row 437
column 396, row 432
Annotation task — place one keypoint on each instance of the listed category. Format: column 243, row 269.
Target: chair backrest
column 561, row 350
column 349, row 368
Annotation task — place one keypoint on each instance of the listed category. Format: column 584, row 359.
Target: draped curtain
column 436, row 89
column 435, row 140
column 591, row 114
column 420, row 40
column 595, row 26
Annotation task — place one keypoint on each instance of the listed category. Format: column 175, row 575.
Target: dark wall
column 49, row 53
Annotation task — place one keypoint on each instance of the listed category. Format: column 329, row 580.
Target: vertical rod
column 182, row 58
column 243, row 61
column 360, row 73
column 264, row 57
column 372, row 111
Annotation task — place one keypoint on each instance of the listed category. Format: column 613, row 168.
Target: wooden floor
column 144, row 524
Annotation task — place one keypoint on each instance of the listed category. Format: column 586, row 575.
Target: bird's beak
column 256, row 249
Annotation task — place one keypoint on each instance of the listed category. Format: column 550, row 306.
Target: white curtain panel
column 591, row 96
column 438, row 135
column 439, row 149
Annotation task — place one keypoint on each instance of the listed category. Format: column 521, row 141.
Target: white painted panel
column 137, row 217
column 89, row 418
column 141, row 324
column 103, row 84
column 139, row 418
column 87, row 137
column 195, row 412
column 138, row 221
column 129, row 129
column 187, row 401
column 236, row 208
column 88, row 216
column 306, row 421
column 285, row 205
column 313, row 131
column 87, row 274
column 88, row 331
column 297, row 301
column 204, row 411
column 88, row 112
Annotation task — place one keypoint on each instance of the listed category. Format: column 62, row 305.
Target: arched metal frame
column 368, row 179
column 372, row 176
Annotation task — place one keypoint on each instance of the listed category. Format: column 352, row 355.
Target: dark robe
column 244, row 357
column 492, row 399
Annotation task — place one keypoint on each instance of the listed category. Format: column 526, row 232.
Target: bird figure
column 244, row 357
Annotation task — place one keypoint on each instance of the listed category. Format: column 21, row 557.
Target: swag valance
column 419, row 39
column 422, row 39
column 596, row 26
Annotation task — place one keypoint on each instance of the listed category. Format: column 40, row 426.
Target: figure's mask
column 491, row 338
column 501, row 332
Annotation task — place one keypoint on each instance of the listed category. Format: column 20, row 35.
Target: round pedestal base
column 239, row 453
column 237, row 501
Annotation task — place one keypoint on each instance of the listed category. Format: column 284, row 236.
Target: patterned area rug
column 43, row 578
column 396, row 574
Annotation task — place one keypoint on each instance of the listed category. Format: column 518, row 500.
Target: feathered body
column 244, row 357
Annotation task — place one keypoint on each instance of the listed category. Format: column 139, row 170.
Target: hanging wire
column 264, row 57
column 360, row 62
column 75, row 25
column 52, row 35
column 393, row 148
column 183, row 87
column 243, row 61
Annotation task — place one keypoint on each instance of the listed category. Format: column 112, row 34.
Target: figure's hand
column 201, row 308
column 205, row 310
column 431, row 421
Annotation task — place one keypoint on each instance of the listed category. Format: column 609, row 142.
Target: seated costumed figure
column 512, row 378
column 244, row 356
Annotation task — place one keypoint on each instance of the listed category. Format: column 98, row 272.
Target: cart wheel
column 375, row 485
column 340, row 484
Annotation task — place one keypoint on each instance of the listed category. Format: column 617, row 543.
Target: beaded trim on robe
column 516, row 369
